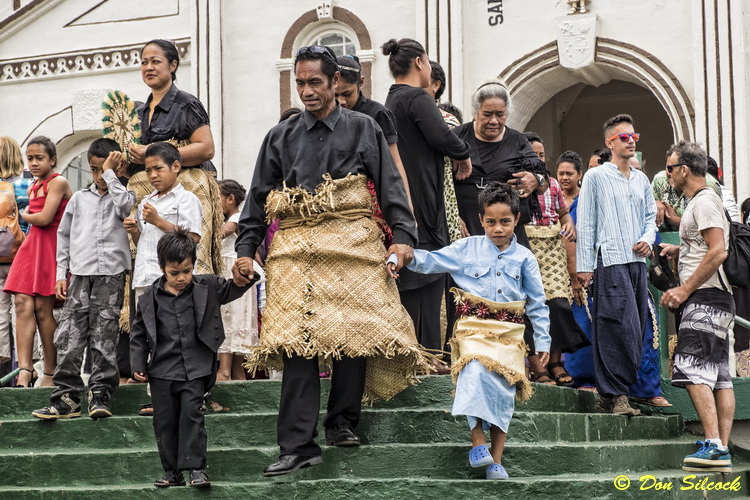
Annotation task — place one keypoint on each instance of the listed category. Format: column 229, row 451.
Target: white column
column 739, row 170
column 207, row 68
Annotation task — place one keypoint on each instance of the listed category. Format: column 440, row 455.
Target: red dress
column 34, row 269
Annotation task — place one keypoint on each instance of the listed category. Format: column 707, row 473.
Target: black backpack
column 737, row 265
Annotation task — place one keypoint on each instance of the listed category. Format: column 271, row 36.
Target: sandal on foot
column 146, row 410
column 480, row 456
column 564, row 374
column 199, row 479
column 170, row 478
column 496, row 471
column 537, row 376
column 33, row 379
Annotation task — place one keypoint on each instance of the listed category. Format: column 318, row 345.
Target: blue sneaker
column 479, row 456
column 496, row 471
column 708, row 458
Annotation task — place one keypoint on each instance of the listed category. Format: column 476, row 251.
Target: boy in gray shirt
column 92, row 245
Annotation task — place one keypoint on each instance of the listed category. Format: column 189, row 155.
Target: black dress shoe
column 291, row 463
column 341, row 434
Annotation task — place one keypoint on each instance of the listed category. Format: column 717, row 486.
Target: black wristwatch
column 540, row 178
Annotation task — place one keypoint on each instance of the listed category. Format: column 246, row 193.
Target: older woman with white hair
column 498, row 153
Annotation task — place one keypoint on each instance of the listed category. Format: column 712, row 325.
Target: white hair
column 487, row 90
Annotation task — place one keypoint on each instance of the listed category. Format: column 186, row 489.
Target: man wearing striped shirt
column 616, row 228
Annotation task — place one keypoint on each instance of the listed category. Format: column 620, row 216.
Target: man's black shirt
column 300, row 150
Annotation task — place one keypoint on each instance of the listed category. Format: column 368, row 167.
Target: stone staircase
column 412, row 448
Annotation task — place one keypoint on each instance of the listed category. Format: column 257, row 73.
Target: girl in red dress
column 32, row 275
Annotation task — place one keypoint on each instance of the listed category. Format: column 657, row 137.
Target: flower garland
column 467, row 307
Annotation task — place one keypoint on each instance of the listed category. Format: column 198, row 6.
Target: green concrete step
column 291, row 487
column 79, row 467
column 377, row 427
column 263, row 396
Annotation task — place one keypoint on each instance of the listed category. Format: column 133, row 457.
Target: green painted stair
column 412, row 448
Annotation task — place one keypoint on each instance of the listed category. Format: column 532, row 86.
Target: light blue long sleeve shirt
column 478, row 267
column 614, row 213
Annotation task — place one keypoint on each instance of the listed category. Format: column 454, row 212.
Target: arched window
column 343, row 32
column 337, row 41
column 78, row 172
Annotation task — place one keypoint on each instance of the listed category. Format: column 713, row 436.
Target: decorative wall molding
column 537, row 76
column 103, row 60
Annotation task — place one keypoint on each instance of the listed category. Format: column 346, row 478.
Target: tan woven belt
column 315, row 219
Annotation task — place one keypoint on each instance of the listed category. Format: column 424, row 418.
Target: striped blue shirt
column 614, row 213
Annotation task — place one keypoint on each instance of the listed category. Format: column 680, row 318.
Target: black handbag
column 737, row 263
column 659, row 272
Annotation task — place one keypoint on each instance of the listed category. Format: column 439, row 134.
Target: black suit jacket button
column 216, row 338
column 216, row 327
column 216, row 315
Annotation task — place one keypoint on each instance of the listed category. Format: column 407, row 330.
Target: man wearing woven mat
column 330, row 296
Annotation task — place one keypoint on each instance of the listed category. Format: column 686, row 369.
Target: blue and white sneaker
column 479, row 456
column 708, row 458
column 496, row 471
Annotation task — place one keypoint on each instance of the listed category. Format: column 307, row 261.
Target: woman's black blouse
column 177, row 116
column 494, row 161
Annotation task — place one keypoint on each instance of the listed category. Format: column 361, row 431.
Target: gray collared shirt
column 91, row 238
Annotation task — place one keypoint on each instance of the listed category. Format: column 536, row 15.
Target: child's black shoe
column 67, row 406
column 99, row 404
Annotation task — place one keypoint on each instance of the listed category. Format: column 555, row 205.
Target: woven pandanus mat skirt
column 491, row 333
column 548, row 248
column 328, row 292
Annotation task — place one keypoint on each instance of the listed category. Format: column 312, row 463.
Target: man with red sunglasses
column 616, row 214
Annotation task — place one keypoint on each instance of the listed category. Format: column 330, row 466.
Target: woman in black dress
column 498, row 153
column 423, row 140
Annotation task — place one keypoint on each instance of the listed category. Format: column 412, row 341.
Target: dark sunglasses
column 319, row 50
column 672, row 167
column 626, row 137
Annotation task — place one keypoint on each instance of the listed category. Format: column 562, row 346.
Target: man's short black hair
column 164, row 150
column 328, row 61
column 615, row 121
column 691, row 155
column 101, row 148
column 498, row 192
column 175, row 247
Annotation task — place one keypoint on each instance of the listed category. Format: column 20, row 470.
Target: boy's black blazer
column 210, row 292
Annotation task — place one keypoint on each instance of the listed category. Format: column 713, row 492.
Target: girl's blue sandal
column 496, row 471
column 480, row 456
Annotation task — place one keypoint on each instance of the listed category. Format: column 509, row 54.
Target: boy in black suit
column 178, row 327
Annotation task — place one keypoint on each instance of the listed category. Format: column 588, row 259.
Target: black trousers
column 620, row 311
column 423, row 305
column 179, row 409
column 300, row 401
